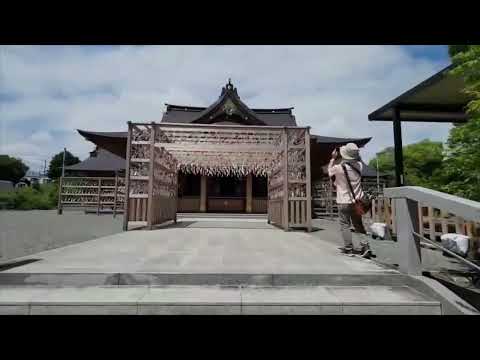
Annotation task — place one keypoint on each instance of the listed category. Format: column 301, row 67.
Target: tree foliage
column 55, row 167
column 462, row 162
column 422, row 163
column 12, row 169
column 456, row 49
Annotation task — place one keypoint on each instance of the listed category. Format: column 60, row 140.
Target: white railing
column 406, row 202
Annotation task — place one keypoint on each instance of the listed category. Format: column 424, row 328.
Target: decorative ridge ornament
column 228, row 104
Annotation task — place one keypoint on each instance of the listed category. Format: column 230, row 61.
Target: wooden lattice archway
column 156, row 152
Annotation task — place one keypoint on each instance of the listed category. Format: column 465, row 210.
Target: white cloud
column 333, row 89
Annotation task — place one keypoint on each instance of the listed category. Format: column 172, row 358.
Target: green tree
column 456, row 49
column 462, row 163
column 12, row 169
column 55, row 167
column 422, row 163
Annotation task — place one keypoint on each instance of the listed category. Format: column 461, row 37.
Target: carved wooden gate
column 156, row 152
column 289, row 187
column 151, row 178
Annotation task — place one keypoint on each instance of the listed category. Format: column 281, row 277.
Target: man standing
column 346, row 166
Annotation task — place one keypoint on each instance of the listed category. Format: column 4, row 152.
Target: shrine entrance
column 158, row 152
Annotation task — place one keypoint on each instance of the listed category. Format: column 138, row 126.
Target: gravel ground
column 28, row 232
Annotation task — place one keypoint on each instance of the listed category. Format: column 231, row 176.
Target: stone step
column 386, row 278
column 209, row 300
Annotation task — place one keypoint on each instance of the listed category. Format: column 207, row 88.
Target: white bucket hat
column 350, row 152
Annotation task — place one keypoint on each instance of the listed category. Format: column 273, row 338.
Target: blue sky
column 47, row 92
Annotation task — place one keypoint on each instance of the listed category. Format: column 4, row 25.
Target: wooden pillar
column 203, row 193
column 115, row 195
column 176, row 194
column 248, row 207
column 285, row 180
column 127, row 178
column 397, row 138
column 99, row 190
column 60, row 190
column 150, row 177
column 308, row 179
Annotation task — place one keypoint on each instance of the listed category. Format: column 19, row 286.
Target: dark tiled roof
column 216, row 112
column 104, row 161
column 183, row 114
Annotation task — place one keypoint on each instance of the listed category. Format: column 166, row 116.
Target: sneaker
column 346, row 250
column 367, row 254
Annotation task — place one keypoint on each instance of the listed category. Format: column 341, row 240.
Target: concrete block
column 191, row 295
column 14, row 309
column 409, row 309
column 58, row 279
column 83, row 310
column 189, row 309
column 291, row 309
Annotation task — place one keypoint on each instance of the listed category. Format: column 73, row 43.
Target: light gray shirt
column 344, row 195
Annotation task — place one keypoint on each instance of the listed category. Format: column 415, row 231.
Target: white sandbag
column 456, row 243
column 380, row 230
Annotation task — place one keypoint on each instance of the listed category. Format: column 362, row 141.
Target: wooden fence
column 324, row 195
column 95, row 193
column 432, row 222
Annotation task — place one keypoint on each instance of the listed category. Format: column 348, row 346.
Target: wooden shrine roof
column 230, row 108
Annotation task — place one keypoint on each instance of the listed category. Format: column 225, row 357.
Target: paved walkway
column 190, row 248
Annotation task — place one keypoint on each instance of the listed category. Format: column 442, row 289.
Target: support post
column 285, row 180
column 127, row 178
column 397, row 138
column 308, row 180
column 115, row 195
column 203, row 193
column 150, row 178
column 60, row 190
column 98, row 195
column 176, row 194
column 410, row 260
column 248, row 207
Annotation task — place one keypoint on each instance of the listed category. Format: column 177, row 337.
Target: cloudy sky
column 47, row 92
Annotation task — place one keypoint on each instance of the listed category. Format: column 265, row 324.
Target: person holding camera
column 346, row 168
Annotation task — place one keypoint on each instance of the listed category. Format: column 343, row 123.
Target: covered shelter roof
column 99, row 160
column 436, row 99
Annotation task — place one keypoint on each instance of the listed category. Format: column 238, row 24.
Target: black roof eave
column 402, row 104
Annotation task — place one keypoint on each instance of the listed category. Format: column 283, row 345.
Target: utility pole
column 63, row 164
column 378, row 177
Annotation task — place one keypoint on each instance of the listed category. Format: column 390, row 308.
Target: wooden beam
column 309, row 180
column 115, row 195
column 234, row 148
column 285, row 180
column 150, row 178
column 98, row 195
column 248, row 207
column 203, row 193
column 127, row 179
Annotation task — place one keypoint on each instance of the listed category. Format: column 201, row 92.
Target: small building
column 31, row 178
column 6, row 186
column 100, row 163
